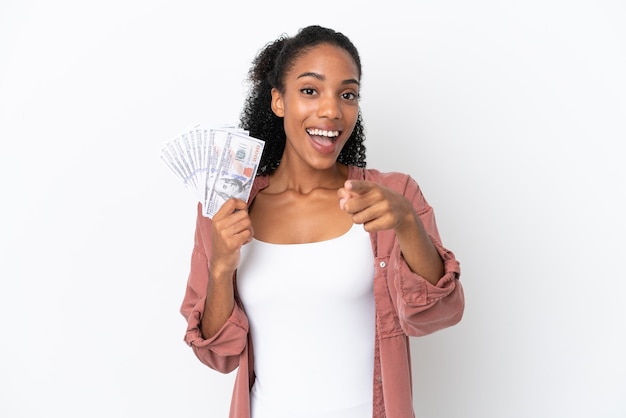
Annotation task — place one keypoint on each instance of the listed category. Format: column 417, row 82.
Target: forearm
column 418, row 250
column 219, row 303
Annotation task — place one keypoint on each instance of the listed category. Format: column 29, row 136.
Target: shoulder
column 260, row 182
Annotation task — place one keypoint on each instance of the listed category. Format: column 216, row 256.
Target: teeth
column 320, row 132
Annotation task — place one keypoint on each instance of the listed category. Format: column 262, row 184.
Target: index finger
column 359, row 187
column 231, row 205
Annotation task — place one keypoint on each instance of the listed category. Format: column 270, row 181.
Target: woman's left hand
column 379, row 208
column 375, row 206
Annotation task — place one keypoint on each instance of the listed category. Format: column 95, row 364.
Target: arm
column 417, row 248
column 423, row 306
column 217, row 326
column 230, row 229
column 380, row 208
column 422, row 274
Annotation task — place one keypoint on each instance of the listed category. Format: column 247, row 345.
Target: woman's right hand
column 231, row 228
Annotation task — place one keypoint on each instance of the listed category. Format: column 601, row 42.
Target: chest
column 290, row 218
column 337, row 270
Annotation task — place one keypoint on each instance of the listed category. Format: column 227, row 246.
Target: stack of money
column 217, row 163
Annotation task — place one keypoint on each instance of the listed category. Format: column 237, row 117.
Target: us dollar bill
column 237, row 157
column 216, row 163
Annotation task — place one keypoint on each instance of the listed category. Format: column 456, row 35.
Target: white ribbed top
column 312, row 323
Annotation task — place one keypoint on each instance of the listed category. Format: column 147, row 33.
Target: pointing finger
column 358, row 186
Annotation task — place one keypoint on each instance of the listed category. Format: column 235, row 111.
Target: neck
column 304, row 180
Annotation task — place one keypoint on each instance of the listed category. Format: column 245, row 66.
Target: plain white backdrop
column 510, row 115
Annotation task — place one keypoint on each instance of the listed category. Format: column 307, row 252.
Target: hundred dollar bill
column 173, row 157
column 237, row 156
column 183, row 156
column 215, row 162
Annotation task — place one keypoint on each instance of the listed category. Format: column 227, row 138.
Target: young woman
column 312, row 287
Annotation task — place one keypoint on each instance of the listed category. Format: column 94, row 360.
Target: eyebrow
column 322, row 78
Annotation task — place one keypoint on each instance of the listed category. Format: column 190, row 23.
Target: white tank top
column 312, row 324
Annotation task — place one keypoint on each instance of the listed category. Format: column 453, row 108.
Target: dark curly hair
column 268, row 71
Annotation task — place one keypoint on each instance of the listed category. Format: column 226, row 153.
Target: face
column 320, row 106
column 228, row 186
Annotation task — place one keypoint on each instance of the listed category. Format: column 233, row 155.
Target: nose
column 329, row 108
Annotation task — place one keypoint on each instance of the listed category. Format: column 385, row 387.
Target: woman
column 313, row 287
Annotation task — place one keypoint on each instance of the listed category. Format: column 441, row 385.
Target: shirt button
column 383, row 264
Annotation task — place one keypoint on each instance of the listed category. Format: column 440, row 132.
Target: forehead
column 327, row 60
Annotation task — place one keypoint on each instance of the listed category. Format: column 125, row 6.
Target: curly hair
column 268, row 71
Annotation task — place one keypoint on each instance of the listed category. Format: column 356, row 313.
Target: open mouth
column 322, row 136
column 324, row 141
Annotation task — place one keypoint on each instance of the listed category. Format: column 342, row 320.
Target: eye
column 349, row 96
column 308, row 91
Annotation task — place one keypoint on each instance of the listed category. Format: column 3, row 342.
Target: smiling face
column 320, row 106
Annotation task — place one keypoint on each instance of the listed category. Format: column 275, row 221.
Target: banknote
column 216, row 163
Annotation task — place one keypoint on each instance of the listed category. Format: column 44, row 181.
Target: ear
column 278, row 106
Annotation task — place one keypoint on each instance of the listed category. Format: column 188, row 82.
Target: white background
column 511, row 116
